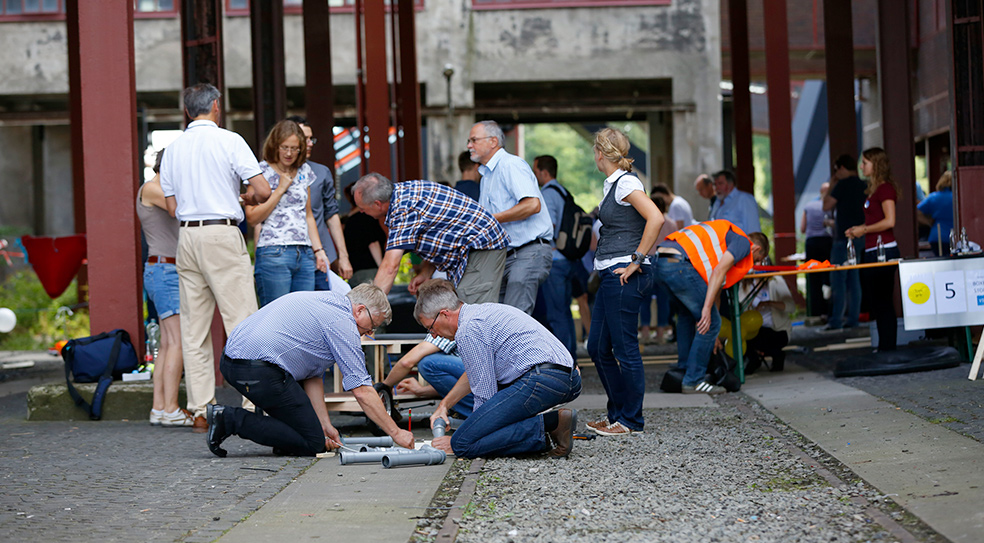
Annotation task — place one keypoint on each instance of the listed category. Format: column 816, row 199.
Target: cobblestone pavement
column 127, row 481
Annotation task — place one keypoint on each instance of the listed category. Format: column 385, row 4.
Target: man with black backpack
column 572, row 237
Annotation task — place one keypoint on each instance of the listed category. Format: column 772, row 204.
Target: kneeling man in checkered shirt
column 515, row 368
column 278, row 357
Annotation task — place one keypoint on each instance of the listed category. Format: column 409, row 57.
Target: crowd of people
column 493, row 288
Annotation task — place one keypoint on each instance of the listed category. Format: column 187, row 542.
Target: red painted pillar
column 894, row 74
column 377, row 88
column 741, row 97
column 104, row 150
column 319, row 92
column 409, row 93
column 780, row 126
column 838, row 43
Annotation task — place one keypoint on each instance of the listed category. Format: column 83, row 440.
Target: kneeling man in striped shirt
column 277, row 358
column 515, row 368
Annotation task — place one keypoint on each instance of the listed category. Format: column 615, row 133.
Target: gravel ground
column 704, row 474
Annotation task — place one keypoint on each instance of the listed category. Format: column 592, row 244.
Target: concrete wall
column 679, row 42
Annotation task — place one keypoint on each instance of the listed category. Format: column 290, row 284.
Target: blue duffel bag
column 97, row 359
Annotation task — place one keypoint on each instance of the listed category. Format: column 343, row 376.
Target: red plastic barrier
column 56, row 261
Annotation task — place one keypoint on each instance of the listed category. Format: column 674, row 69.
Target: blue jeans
column 509, row 423
column 282, row 269
column 321, row 280
column 442, row 371
column 557, row 297
column 845, row 286
column 662, row 307
column 293, row 426
column 688, row 290
column 161, row 284
column 614, row 344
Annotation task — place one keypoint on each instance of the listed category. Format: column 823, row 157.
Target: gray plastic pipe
column 426, row 456
column 370, row 456
column 384, row 441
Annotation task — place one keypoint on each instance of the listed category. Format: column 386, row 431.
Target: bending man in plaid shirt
column 448, row 230
column 515, row 368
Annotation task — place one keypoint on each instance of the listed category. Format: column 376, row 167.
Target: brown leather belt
column 161, row 260
column 209, row 222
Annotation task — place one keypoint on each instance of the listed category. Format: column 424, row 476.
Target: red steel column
column 893, row 73
column 104, row 150
column 201, row 44
column 780, row 126
column 377, row 88
column 838, row 43
column 266, row 23
column 409, row 92
column 319, row 92
column 741, row 98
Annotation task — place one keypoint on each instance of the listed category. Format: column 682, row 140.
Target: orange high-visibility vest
column 705, row 243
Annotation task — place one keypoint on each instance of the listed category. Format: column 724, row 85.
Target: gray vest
column 160, row 229
column 621, row 227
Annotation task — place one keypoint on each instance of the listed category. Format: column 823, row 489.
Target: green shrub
column 39, row 322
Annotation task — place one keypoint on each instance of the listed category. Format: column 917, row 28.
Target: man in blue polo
column 734, row 205
column 447, row 229
column 516, row 370
column 278, row 357
column 509, row 192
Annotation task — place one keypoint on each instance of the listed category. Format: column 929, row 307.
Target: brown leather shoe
column 200, row 426
column 563, row 435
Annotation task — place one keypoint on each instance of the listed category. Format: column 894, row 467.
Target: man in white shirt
column 678, row 210
column 201, row 176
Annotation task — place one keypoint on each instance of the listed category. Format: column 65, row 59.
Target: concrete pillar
column 103, row 104
column 660, row 152
column 871, row 114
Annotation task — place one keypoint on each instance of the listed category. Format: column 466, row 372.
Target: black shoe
column 778, row 361
column 216, row 429
column 563, row 435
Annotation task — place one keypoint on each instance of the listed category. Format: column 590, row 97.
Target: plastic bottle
column 881, row 250
column 852, row 258
column 964, row 244
column 954, row 247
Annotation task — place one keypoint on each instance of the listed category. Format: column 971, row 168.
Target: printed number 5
column 950, row 293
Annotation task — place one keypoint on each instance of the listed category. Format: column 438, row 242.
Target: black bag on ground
column 574, row 236
column 673, row 380
column 721, row 372
column 100, row 358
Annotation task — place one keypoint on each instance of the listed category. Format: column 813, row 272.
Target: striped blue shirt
column 499, row 343
column 304, row 333
column 506, row 180
column 441, row 225
column 446, row 345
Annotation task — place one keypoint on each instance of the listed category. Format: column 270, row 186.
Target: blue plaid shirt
column 441, row 225
column 304, row 333
column 499, row 343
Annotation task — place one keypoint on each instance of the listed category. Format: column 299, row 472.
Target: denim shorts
column 161, row 284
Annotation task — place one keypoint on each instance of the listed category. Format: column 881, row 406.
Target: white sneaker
column 179, row 418
column 155, row 417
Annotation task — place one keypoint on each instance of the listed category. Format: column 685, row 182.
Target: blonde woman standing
column 879, row 221
column 630, row 227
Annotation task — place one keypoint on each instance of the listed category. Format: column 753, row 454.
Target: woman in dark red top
column 879, row 220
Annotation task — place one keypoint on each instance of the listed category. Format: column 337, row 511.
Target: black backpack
column 574, row 237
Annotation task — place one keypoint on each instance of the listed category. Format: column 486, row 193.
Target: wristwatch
column 638, row 257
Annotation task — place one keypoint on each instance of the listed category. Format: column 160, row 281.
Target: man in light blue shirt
column 509, row 192
column 734, row 205
column 557, row 288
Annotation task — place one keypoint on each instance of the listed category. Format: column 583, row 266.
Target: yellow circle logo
column 919, row 293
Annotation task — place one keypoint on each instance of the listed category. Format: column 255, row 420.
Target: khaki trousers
column 213, row 268
column 482, row 277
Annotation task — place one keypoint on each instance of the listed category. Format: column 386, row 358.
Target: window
column 25, row 10
column 294, row 7
column 519, row 4
column 144, row 9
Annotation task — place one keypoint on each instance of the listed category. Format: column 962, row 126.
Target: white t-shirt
column 680, row 210
column 204, row 168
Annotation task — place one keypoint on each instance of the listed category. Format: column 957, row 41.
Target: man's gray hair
column 374, row 188
column 198, row 99
column 372, row 297
column 433, row 297
column 492, row 130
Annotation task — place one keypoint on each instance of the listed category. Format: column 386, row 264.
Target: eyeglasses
column 285, row 149
column 473, row 141
column 371, row 330
column 312, row 141
column 430, row 329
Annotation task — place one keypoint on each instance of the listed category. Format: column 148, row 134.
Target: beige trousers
column 213, row 268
